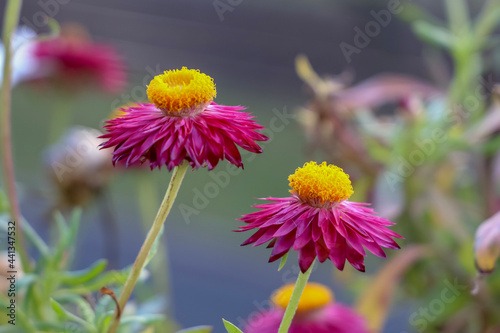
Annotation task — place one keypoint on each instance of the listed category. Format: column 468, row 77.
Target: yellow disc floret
column 321, row 182
column 315, row 296
column 181, row 90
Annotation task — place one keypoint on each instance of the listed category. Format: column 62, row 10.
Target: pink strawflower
column 316, row 314
column 73, row 61
column 183, row 123
column 319, row 221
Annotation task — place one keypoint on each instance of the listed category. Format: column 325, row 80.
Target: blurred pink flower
column 74, row 61
column 316, row 314
column 333, row 318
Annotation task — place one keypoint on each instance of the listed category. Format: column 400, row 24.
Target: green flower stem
column 294, row 300
column 148, row 201
column 11, row 18
column 166, row 206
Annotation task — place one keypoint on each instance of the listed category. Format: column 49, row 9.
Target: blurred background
column 250, row 49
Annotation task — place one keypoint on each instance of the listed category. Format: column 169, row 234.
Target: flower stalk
column 159, row 266
column 165, row 207
column 294, row 300
column 11, row 18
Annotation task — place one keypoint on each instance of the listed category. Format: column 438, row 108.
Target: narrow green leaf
column 230, row 327
column 63, row 232
column 197, row 329
column 283, row 261
column 61, row 224
column 74, row 223
column 433, row 34
column 106, row 279
column 85, row 309
column 58, row 327
column 64, row 314
column 67, row 236
column 30, row 234
column 104, row 321
column 35, row 239
column 142, row 319
column 82, row 276
column 487, row 20
column 58, row 308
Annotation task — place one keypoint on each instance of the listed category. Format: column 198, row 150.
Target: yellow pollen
column 181, row 90
column 323, row 182
column 315, row 296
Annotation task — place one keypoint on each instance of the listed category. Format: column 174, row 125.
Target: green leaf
column 35, row 239
column 58, row 327
column 197, row 329
column 67, row 234
column 230, row 327
column 487, row 20
column 109, row 278
column 74, row 225
column 104, row 304
column 61, row 224
column 64, row 314
column 433, row 34
column 63, row 232
column 142, row 319
column 104, row 322
column 82, row 276
column 85, row 310
column 283, row 261
column 30, row 234
column 58, row 308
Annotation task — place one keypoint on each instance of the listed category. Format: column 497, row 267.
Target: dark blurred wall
column 252, row 42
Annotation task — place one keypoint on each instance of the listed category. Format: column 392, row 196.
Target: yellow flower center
column 321, row 182
column 315, row 296
column 181, row 91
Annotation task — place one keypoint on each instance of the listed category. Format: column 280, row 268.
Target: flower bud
column 487, row 244
column 77, row 167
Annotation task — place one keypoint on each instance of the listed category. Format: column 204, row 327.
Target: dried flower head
column 77, row 167
column 182, row 123
column 319, row 221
